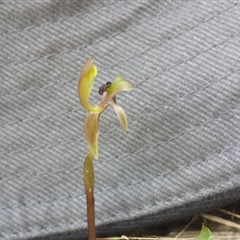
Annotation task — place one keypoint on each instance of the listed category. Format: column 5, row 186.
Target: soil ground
column 224, row 224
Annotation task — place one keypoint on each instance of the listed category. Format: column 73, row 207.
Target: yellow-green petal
column 122, row 117
column 92, row 132
column 85, row 85
column 118, row 85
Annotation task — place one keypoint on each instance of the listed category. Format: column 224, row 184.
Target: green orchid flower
column 109, row 92
column 86, row 81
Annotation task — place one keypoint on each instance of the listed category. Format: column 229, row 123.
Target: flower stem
column 91, row 216
column 88, row 176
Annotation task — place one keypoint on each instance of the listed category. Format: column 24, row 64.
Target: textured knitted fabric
column 182, row 153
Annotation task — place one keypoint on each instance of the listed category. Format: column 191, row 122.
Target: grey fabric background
column 182, row 153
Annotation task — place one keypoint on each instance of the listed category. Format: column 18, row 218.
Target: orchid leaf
column 122, row 117
column 205, row 234
column 92, row 132
column 85, row 85
column 88, row 173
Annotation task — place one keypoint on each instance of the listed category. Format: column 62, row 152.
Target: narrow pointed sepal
column 92, row 132
column 85, row 85
column 122, row 117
